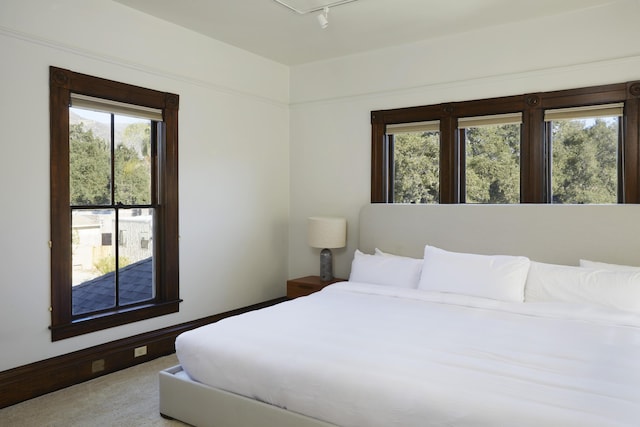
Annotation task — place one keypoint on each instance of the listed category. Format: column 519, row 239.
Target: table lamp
column 326, row 233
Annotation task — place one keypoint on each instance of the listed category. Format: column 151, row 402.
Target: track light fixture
column 303, row 7
column 323, row 18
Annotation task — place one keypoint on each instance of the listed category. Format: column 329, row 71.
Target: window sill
column 112, row 319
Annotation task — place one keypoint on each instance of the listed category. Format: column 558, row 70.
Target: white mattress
column 365, row 355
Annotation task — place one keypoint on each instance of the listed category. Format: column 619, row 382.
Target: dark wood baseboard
column 29, row 381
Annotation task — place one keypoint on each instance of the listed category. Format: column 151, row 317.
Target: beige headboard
column 560, row 234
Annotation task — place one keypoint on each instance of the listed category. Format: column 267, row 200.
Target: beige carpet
column 124, row 398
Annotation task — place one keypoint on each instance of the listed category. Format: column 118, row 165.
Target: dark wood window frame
column 535, row 155
column 63, row 324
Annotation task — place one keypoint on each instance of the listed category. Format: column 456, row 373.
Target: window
column 585, row 161
column 415, row 162
column 114, row 213
column 491, row 153
column 569, row 146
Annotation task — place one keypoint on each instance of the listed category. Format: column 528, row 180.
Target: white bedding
column 365, row 355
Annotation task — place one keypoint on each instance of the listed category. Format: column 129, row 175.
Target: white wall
column 331, row 101
column 233, row 160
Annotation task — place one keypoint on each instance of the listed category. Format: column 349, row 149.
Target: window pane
column 585, row 160
column 132, row 160
column 135, row 255
column 93, row 259
column 416, row 175
column 492, row 163
column 99, row 247
column 89, row 157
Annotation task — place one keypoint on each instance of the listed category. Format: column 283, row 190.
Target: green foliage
column 108, row 264
column 417, row 171
column 139, row 135
column 585, row 161
column 132, row 177
column 90, row 167
column 493, row 164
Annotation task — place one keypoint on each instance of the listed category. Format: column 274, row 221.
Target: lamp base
column 326, row 265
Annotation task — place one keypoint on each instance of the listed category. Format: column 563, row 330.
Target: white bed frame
column 561, row 234
column 197, row 404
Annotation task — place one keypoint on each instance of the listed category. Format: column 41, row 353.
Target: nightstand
column 307, row 285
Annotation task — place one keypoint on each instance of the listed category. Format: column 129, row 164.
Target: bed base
column 200, row 405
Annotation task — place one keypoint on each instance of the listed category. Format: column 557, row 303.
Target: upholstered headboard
column 560, row 234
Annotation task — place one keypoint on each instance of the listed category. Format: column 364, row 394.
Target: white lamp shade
column 327, row 232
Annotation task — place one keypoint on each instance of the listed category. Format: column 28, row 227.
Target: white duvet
column 367, row 355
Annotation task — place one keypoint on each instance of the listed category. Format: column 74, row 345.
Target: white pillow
column 607, row 266
column 398, row 271
column 500, row 277
column 563, row 283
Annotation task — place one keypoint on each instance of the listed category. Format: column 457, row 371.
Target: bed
column 403, row 344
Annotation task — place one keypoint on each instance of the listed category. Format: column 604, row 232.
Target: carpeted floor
column 127, row 398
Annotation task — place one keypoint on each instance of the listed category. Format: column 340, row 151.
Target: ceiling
column 271, row 30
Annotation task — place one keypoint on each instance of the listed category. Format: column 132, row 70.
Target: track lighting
column 303, row 7
column 323, row 18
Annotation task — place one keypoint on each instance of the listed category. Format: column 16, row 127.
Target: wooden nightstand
column 307, row 285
